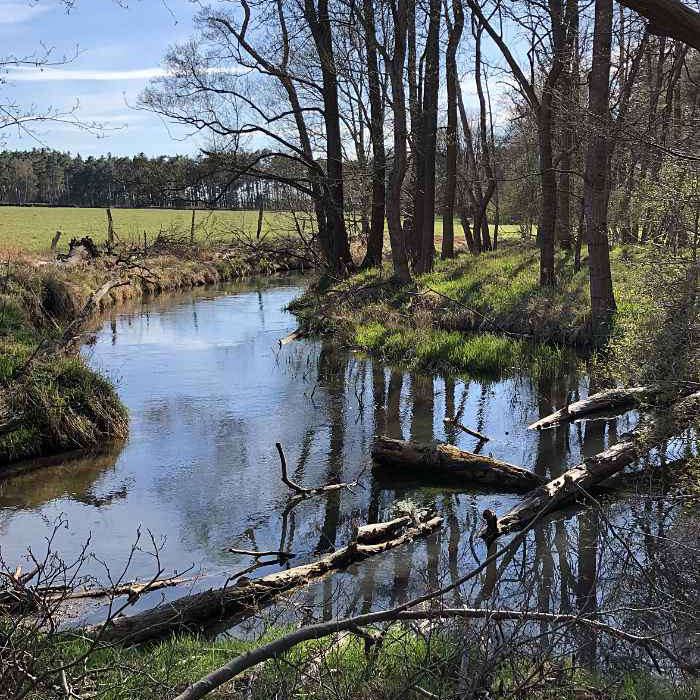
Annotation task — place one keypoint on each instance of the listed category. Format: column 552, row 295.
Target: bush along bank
column 50, row 401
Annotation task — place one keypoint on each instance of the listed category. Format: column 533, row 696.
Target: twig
column 452, row 421
column 251, row 658
column 257, row 555
column 330, row 488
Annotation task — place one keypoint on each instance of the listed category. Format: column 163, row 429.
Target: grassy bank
column 432, row 324
column 47, row 404
column 50, row 404
column 342, row 668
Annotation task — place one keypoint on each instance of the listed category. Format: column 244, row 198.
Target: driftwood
column 594, row 470
column 612, row 398
column 294, row 335
column 609, row 399
column 447, row 462
column 18, row 595
column 258, row 554
column 133, row 590
column 247, row 596
column 470, row 431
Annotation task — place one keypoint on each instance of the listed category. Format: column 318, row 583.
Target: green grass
column 63, row 404
column 31, row 229
column 340, row 669
column 481, row 315
column 482, row 355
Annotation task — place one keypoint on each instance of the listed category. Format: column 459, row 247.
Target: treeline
column 44, row 176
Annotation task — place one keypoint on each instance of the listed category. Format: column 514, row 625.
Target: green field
column 31, row 229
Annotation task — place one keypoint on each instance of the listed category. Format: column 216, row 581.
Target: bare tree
column 558, row 26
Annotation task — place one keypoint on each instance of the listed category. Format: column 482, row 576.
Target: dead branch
column 581, row 478
column 257, row 555
column 612, row 398
column 470, row 431
column 279, row 646
column 246, row 596
column 330, row 488
column 294, row 335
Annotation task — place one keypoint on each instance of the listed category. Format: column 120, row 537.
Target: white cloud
column 47, row 74
column 62, row 74
column 16, row 12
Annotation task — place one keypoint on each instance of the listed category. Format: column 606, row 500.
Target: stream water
column 209, row 392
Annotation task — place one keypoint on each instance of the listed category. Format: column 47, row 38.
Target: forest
column 46, row 177
column 600, row 134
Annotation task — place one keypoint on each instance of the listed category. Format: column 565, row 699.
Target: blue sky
column 120, row 49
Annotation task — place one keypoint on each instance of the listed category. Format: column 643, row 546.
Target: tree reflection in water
column 209, row 398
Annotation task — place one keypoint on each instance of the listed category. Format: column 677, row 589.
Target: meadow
column 30, row 229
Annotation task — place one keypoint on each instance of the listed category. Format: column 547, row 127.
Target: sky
column 119, row 50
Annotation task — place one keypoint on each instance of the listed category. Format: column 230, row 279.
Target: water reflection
column 210, row 391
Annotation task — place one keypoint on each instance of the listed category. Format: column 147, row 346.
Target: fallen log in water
column 245, row 597
column 611, row 398
column 448, row 462
column 579, row 479
column 19, row 596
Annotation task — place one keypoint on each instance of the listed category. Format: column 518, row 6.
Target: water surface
column 210, row 391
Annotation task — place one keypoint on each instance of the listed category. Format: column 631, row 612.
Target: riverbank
column 51, row 402
column 478, row 316
column 404, row 662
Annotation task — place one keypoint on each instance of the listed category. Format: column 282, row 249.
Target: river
column 210, row 390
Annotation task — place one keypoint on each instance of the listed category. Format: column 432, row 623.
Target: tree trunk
column 569, row 101
column 577, row 481
column 375, row 242
column 320, row 25
column 245, row 597
column 455, row 34
column 548, row 209
column 669, row 18
column 429, row 141
column 412, row 232
column 398, row 171
column 598, row 169
column 481, row 217
column 447, row 463
column 610, row 399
